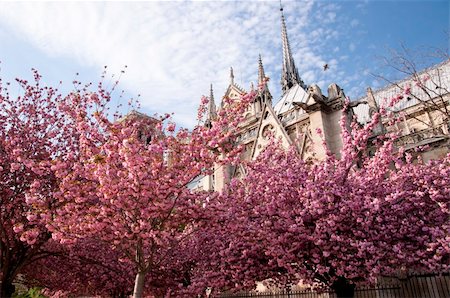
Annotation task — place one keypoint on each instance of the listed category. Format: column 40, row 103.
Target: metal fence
column 418, row 286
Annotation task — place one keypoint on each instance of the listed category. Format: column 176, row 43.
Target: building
column 423, row 110
column 305, row 117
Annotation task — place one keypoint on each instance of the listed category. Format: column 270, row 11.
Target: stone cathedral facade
column 305, row 110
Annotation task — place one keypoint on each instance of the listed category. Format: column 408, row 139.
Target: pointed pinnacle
column 212, row 113
column 261, row 74
column 211, row 94
column 231, row 76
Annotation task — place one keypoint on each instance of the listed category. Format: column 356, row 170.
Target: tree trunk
column 7, row 289
column 139, row 284
column 343, row 288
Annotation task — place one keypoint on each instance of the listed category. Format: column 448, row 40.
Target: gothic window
column 267, row 131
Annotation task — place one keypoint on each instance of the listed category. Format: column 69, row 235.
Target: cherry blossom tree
column 71, row 174
column 39, row 132
column 109, row 200
column 129, row 187
column 33, row 133
column 333, row 224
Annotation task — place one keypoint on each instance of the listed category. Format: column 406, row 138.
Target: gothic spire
column 289, row 76
column 261, row 74
column 212, row 113
column 231, row 76
column 211, row 93
column 265, row 96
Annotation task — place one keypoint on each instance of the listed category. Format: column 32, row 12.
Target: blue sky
column 174, row 50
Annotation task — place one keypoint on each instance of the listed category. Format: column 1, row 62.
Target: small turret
column 334, row 91
column 315, row 89
column 264, row 96
column 373, row 106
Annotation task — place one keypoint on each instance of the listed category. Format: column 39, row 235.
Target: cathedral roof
column 295, row 94
column 435, row 80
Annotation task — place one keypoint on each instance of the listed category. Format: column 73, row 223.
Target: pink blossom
column 18, row 228
column 14, row 167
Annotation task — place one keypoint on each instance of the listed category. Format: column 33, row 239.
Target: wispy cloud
column 174, row 50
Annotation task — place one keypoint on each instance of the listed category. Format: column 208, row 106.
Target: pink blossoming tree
column 33, row 133
column 128, row 187
column 109, row 201
column 334, row 223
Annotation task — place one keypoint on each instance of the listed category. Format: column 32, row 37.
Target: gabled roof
column 294, row 94
column 269, row 117
column 236, row 88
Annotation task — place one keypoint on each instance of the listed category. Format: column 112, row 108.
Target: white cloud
column 174, row 50
column 352, row 47
column 331, row 16
column 354, row 23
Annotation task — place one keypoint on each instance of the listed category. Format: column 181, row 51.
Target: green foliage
column 31, row 293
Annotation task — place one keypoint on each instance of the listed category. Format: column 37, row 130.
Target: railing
column 420, row 136
column 419, row 286
column 292, row 116
column 250, row 134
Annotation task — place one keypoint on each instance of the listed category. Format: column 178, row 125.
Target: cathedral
column 305, row 117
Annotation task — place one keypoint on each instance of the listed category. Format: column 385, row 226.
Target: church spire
column 231, row 76
column 211, row 93
column 212, row 113
column 289, row 76
column 261, row 74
